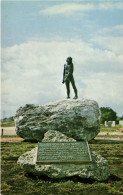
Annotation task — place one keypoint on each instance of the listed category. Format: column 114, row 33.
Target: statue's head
column 69, row 60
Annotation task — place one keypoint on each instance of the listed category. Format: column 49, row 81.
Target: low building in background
column 109, row 123
column 121, row 122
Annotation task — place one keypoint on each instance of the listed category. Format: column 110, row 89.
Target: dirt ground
column 13, row 139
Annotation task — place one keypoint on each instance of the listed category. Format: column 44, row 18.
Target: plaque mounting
column 63, row 152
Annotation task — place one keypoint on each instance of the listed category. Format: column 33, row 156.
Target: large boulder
column 97, row 170
column 78, row 119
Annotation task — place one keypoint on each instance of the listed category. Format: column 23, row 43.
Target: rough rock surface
column 98, row 170
column 78, row 119
column 56, row 136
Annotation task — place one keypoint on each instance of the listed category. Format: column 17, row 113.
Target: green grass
column 7, row 124
column 16, row 181
column 111, row 136
column 110, row 129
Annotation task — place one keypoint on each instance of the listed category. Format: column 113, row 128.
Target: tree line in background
column 107, row 114
column 9, row 119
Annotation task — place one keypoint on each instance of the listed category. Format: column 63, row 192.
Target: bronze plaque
column 63, row 152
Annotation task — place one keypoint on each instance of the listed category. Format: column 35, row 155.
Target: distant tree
column 10, row 119
column 121, row 118
column 4, row 119
column 107, row 114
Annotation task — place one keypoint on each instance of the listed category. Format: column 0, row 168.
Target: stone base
column 97, row 170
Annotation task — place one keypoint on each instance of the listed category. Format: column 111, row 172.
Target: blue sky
column 24, row 19
column 38, row 36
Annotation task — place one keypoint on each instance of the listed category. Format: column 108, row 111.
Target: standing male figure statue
column 68, row 77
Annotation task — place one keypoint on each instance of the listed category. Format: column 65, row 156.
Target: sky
column 38, row 36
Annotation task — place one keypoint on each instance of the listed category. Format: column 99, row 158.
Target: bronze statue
column 68, row 77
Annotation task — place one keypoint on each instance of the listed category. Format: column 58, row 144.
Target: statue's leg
column 74, row 87
column 68, row 89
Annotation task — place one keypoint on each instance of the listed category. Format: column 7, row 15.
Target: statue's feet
column 76, row 97
column 68, row 97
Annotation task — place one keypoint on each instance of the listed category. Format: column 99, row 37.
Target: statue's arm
column 63, row 74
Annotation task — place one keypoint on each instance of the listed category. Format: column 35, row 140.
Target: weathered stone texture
column 56, row 136
column 78, row 119
column 98, row 170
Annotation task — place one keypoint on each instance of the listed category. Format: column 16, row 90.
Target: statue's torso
column 67, row 69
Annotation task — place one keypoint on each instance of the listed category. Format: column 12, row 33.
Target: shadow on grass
column 74, row 179
column 30, row 141
column 113, row 178
column 53, row 180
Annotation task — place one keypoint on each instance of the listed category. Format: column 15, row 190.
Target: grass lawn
column 110, row 129
column 16, row 181
column 7, row 124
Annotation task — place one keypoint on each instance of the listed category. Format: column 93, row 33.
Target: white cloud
column 111, row 43
column 67, row 8
column 110, row 6
column 32, row 73
column 118, row 30
column 70, row 8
